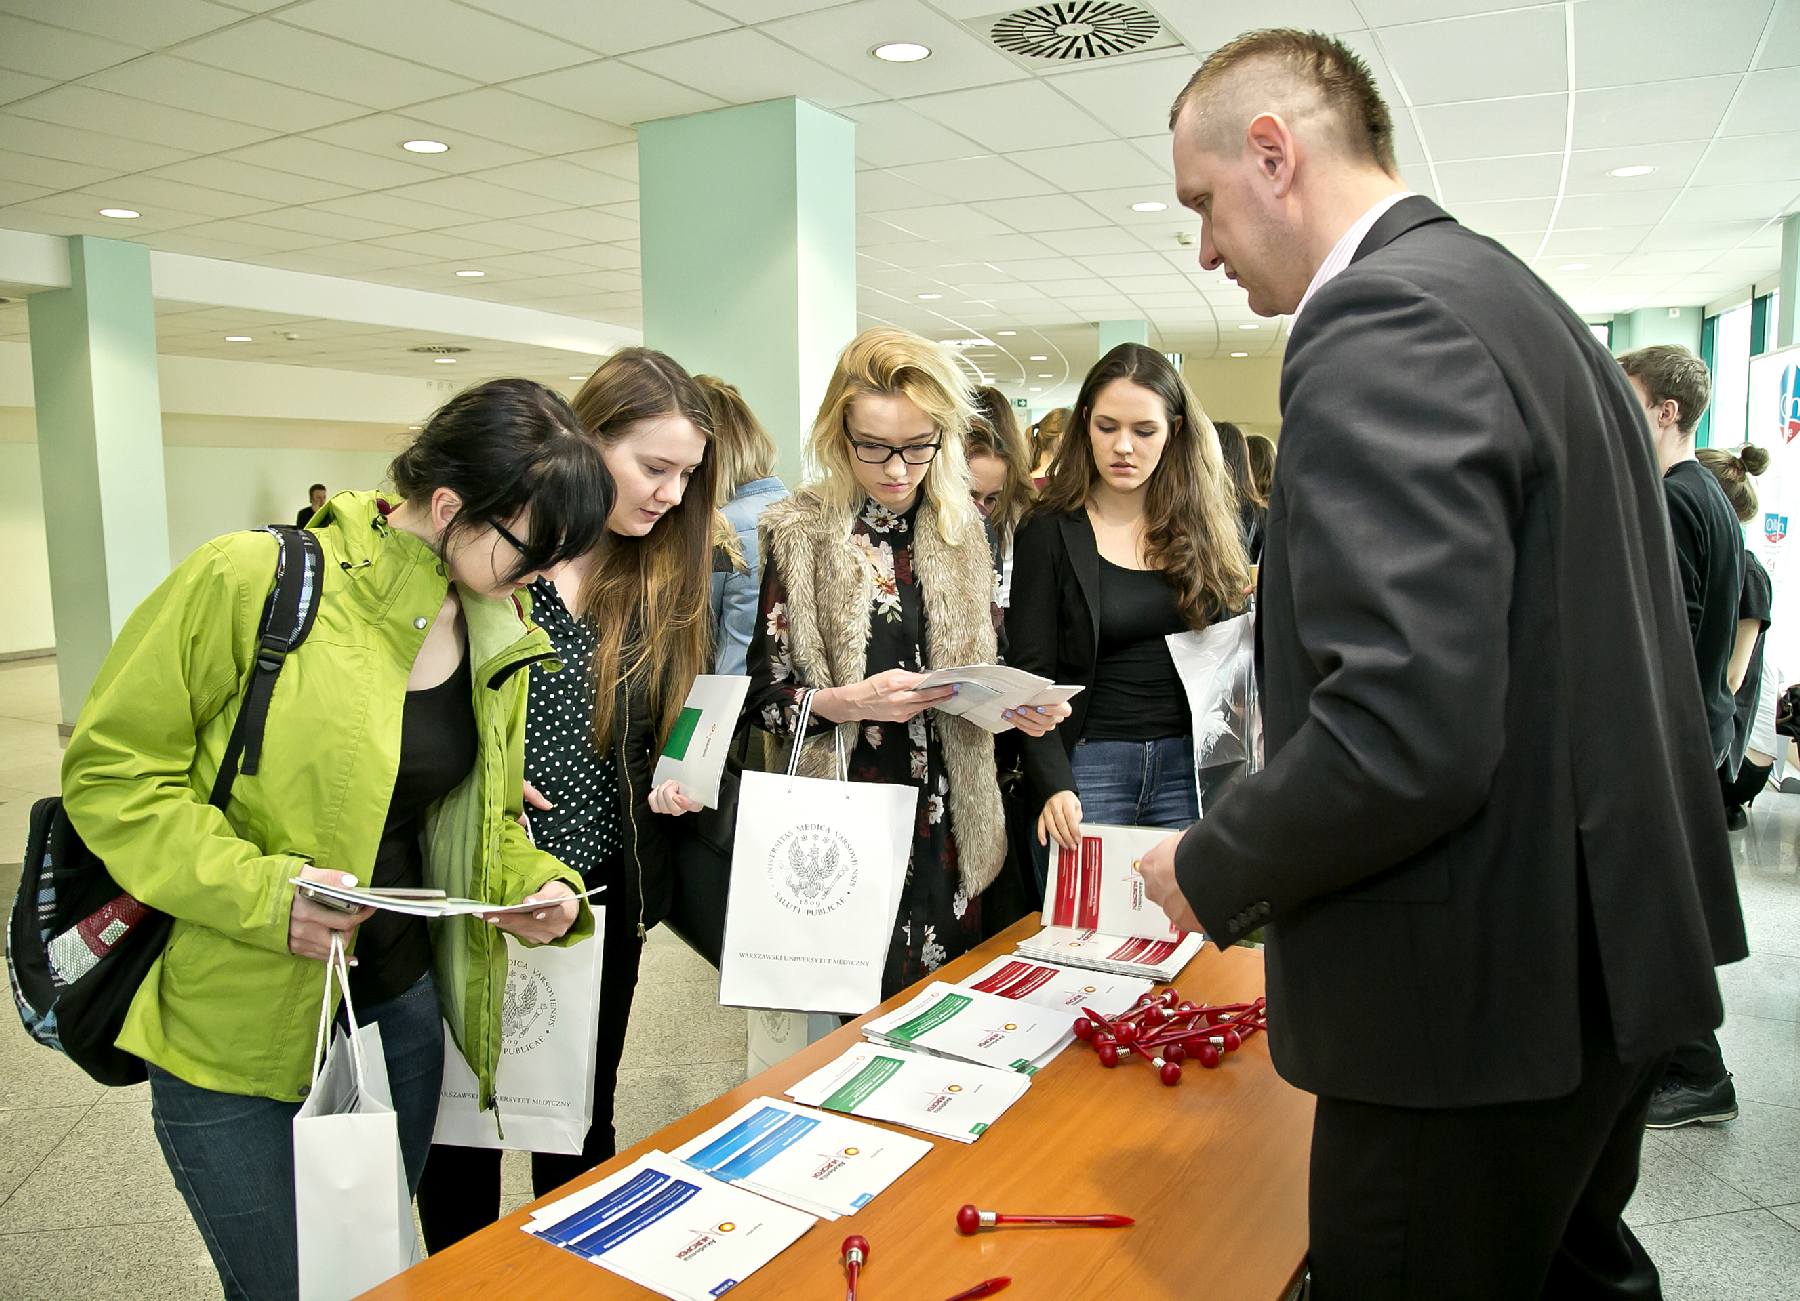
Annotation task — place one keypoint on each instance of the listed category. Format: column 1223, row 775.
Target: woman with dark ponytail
column 393, row 756
column 1746, row 767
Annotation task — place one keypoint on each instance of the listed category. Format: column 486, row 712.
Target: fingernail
column 353, row 961
column 493, row 921
column 348, row 879
column 540, row 916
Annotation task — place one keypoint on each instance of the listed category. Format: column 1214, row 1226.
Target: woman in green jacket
column 393, row 755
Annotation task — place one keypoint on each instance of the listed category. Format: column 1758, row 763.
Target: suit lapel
column 1084, row 559
column 1408, row 214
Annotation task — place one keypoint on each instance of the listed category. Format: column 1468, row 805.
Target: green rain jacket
column 227, row 1007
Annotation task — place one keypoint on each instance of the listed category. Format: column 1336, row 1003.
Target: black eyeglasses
column 882, row 453
column 506, row 533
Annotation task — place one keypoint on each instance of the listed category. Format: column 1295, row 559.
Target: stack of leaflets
column 1060, row 989
column 970, row 1026
column 952, row 1099
column 665, row 1226
column 413, row 901
column 816, row 1162
column 1158, row 960
column 986, row 691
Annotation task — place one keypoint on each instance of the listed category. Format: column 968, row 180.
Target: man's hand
column 1158, row 870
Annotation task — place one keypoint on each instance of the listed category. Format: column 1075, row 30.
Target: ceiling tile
column 1094, row 167
column 1616, row 40
column 1092, row 239
column 971, row 179
column 1766, row 103
column 884, row 191
column 55, row 52
column 17, row 85
column 442, row 244
column 602, row 256
column 1635, row 208
column 208, row 245
column 610, row 28
column 1750, row 158
column 615, row 92
column 146, row 191
column 1391, row 13
column 53, row 140
column 477, row 198
column 842, row 36
column 1131, row 98
column 893, row 135
column 250, row 235
column 987, row 249
column 50, row 173
column 1652, row 113
column 136, row 119
column 1489, row 56
column 326, row 225
column 290, row 56
column 1013, row 117
column 235, row 176
column 1124, row 264
column 314, row 158
column 554, row 178
column 1709, row 235
column 1782, row 49
column 529, row 124
column 1756, row 201
column 1603, row 239
column 1041, row 213
column 1494, row 128
column 410, row 214
column 382, row 134
column 585, row 223
column 1674, row 163
column 513, row 236
column 1506, row 216
column 198, row 88
column 746, row 67
column 440, row 34
column 149, row 26
column 946, row 221
column 1489, row 179
column 1206, row 24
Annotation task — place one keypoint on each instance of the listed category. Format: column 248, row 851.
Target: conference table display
column 725, row 1199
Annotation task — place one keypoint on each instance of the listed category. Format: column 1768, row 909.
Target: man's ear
column 1271, row 145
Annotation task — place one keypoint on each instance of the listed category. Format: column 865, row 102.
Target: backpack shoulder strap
column 288, row 615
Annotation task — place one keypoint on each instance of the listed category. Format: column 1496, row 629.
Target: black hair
column 317, row 487
column 505, row 445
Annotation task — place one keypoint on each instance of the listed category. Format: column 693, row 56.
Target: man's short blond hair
column 1298, row 74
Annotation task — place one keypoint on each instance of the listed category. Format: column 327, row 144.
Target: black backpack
column 78, row 947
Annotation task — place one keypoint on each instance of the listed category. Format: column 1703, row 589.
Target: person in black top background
column 315, row 503
column 1741, row 776
column 1672, row 384
column 1135, row 536
column 1253, row 504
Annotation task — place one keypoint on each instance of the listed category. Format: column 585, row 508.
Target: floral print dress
column 936, row 920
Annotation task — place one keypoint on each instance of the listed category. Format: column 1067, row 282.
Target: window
column 1603, row 332
column 1731, row 378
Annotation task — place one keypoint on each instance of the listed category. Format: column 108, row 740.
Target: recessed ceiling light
column 1006, row 334
column 1037, row 390
column 1251, row 325
column 1573, row 266
column 929, row 297
column 120, row 214
column 1148, row 205
column 1046, row 375
column 425, row 146
column 1240, row 354
column 578, row 377
column 444, row 361
column 415, row 428
column 1037, row 357
column 901, row 52
column 471, row 275
column 1626, row 173
column 239, row 338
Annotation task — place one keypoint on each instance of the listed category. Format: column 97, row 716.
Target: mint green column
column 748, row 219
column 1787, row 306
column 100, row 452
column 1649, row 325
column 1113, row 333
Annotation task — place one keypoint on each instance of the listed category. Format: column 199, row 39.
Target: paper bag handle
column 802, row 720
column 336, row 966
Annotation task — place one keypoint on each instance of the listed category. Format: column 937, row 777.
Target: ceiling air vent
column 438, row 349
column 1081, row 30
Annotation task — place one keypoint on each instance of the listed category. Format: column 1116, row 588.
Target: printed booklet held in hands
column 694, row 754
column 1098, row 887
column 667, row 1227
column 985, row 691
column 817, row 1162
column 952, row 1099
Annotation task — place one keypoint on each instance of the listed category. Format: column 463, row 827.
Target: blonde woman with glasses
column 875, row 573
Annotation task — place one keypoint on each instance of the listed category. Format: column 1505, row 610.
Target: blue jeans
column 1137, row 783
column 233, row 1156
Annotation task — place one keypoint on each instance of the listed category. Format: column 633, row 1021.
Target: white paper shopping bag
column 352, row 1212
column 816, row 873
column 544, row 1084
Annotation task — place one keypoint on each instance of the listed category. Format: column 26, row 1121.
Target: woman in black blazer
column 1136, row 536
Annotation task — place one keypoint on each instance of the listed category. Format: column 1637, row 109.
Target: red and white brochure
column 1096, row 887
column 1158, row 960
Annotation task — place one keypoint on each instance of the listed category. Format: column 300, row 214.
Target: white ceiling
column 268, row 132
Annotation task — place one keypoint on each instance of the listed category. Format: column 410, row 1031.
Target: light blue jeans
column 1132, row 784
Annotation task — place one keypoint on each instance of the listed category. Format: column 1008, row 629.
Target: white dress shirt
column 1345, row 249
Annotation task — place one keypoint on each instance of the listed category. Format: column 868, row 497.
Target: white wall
column 24, row 570
column 214, row 490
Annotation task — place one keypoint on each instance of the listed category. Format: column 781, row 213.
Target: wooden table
column 1214, row 1170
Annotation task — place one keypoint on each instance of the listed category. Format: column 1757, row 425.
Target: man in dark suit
column 1494, row 876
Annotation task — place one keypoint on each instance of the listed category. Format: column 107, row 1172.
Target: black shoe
column 1676, row 1104
column 1735, row 818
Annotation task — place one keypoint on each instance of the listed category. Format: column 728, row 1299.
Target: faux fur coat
column 830, row 586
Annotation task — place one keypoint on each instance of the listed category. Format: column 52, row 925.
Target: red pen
column 980, row 1290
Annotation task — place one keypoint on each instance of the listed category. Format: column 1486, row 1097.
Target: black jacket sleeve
column 1402, row 485
column 1032, row 630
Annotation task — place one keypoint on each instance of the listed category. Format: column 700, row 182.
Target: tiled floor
column 87, row 1208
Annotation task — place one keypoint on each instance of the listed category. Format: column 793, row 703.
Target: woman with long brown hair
column 1046, row 437
column 744, row 486
column 1135, row 537
column 877, row 572
column 629, row 620
column 1253, row 506
column 999, row 475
